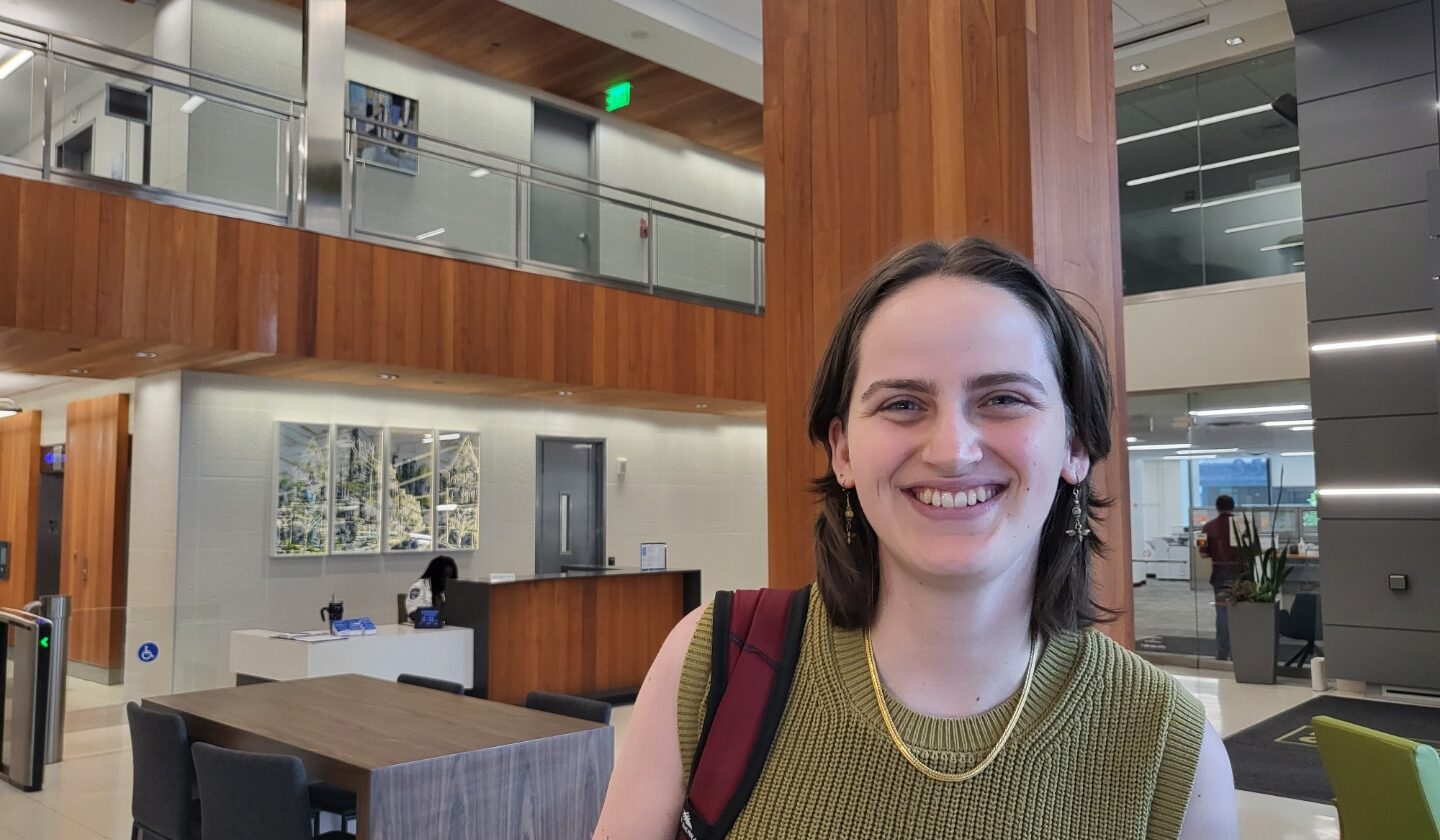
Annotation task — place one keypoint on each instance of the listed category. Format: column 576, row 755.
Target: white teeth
column 964, row 498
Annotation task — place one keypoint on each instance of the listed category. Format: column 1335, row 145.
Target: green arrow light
column 45, row 641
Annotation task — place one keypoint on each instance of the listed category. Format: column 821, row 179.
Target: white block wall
column 694, row 481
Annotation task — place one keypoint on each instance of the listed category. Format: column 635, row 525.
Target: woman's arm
column 647, row 789
column 1211, row 814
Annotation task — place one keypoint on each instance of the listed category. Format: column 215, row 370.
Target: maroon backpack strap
column 755, row 645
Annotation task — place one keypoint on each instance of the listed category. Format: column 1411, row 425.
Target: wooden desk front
column 423, row 763
column 592, row 634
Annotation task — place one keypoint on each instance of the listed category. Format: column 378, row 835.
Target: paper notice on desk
column 309, row 637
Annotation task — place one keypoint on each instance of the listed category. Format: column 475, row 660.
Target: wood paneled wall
column 19, row 503
column 93, row 530
column 222, row 292
column 888, row 123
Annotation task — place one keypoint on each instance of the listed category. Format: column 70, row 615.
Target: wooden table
column 423, row 763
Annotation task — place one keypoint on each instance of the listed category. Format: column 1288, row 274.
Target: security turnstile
column 56, row 608
column 25, row 697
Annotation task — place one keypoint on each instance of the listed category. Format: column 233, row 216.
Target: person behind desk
column 429, row 590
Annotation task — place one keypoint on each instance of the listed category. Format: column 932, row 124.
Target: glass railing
column 74, row 108
column 1210, row 177
column 419, row 190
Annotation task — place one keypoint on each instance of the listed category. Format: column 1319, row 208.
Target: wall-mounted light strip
column 1310, row 428
column 1206, row 451
column 1296, row 454
column 14, row 62
column 1254, row 409
column 1231, row 199
column 1188, row 457
column 1363, row 344
column 429, row 234
column 1219, row 164
column 1273, row 423
column 1300, row 264
column 1378, row 491
column 1259, row 225
column 1158, row 446
column 1282, row 246
column 1233, row 115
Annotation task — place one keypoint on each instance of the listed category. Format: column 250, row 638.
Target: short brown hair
column 849, row 573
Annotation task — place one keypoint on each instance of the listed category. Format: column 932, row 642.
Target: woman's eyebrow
column 992, row 380
column 923, row 386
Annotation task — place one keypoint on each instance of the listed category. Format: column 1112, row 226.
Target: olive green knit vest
column 1106, row 748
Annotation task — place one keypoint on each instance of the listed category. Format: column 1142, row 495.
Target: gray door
column 564, row 225
column 570, row 510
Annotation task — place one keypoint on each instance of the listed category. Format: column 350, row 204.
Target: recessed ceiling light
column 1132, row 440
column 1363, row 344
column 1296, row 454
column 9, row 408
column 388, row 376
column 1257, row 409
column 144, row 354
column 566, row 393
column 421, row 237
column 701, row 405
column 639, row 34
column 14, row 62
column 481, row 172
column 1139, row 67
column 191, row 104
column 1379, row 491
column 1158, row 446
column 1234, row 41
column 79, row 371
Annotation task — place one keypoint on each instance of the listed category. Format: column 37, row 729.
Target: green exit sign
column 617, row 96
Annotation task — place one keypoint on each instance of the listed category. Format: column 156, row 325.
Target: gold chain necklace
column 911, row 757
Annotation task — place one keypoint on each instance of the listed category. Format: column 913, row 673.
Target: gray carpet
column 1278, row 755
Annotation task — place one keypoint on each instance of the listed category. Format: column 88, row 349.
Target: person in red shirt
column 1224, row 569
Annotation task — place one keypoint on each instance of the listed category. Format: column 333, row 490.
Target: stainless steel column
column 56, row 608
column 24, row 696
column 322, row 141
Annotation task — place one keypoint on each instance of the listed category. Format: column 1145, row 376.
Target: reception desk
column 394, row 649
column 587, row 633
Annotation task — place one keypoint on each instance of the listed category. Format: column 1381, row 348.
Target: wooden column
column 892, row 121
column 92, row 533
column 19, row 503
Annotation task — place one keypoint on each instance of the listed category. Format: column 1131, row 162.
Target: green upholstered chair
column 1385, row 786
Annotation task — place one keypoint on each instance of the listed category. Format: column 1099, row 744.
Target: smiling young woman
column 947, row 684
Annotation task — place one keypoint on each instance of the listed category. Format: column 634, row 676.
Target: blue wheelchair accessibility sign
column 148, row 652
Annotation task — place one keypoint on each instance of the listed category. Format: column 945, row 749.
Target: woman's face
column 956, row 435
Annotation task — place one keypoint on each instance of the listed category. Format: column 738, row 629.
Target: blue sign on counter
column 148, row 652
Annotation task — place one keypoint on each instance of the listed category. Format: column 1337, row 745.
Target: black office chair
column 244, row 796
column 568, row 705
column 1302, row 622
column 162, row 800
column 431, row 682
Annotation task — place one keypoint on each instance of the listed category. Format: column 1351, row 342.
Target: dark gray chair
column 568, row 705
column 248, row 796
column 1302, row 622
column 431, row 682
column 402, row 617
column 162, row 800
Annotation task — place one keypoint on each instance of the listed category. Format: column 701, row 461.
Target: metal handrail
column 146, row 59
column 353, row 119
column 175, row 86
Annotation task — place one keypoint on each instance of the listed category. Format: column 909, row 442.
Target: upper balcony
column 614, row 290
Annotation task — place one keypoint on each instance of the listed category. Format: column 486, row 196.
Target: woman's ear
column 840, row 454
column 1077, row 463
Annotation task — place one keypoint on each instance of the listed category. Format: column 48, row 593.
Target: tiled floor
column 87, row 796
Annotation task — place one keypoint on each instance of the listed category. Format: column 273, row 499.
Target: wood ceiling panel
column 502, row 41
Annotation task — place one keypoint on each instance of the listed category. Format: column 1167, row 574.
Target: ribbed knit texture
column 1106, row 748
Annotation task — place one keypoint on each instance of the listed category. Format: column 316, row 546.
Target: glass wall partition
column 1186, row 450
column 1210, row 177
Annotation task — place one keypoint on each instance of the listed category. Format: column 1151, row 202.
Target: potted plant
column 1254, row 602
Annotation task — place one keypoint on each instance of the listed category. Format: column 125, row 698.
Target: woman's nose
column 954, row 441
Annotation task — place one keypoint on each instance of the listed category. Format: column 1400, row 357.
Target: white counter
column 446, row 653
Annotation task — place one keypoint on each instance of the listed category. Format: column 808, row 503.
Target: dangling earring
column 849, row 520
column 1079, row 530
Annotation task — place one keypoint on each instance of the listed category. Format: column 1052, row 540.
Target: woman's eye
column 901, row 404
column 1007, row 400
